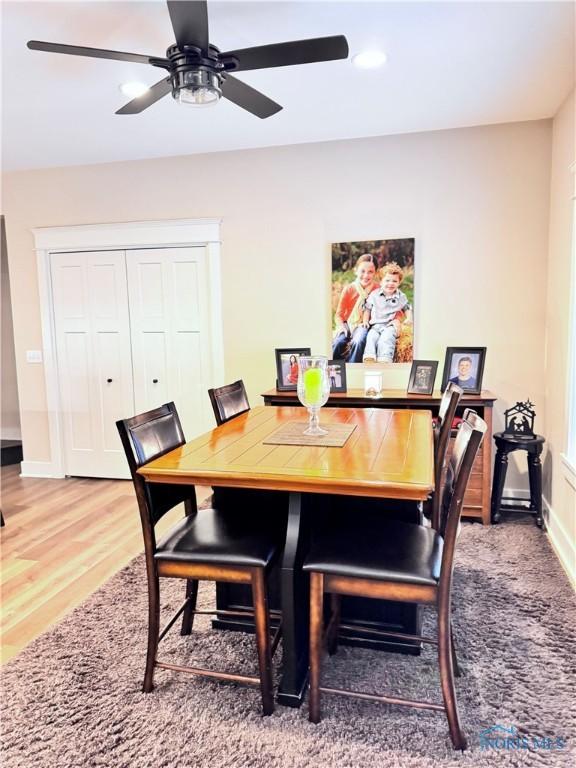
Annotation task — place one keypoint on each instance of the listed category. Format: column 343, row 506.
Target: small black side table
column 506, row 444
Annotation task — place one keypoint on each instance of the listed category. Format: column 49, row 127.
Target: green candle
column 313, row 386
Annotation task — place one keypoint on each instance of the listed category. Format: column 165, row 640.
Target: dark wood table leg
column 500, row 467
column 535, row 476
column 295, row 600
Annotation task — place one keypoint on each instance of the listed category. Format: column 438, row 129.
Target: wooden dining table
column 388, row 455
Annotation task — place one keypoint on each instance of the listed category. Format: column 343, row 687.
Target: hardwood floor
column 62, row 540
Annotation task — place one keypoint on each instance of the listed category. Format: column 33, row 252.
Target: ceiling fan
column 199, row 74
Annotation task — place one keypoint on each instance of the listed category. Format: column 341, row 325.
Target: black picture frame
column 422, row 377
column 477, row 358
column 284, row 381
column 339, row 375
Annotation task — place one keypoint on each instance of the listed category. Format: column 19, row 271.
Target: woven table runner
column 292, row 433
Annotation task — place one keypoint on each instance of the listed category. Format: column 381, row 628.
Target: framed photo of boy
column 464, row 366
column 422, row 377
column 337, row 375
column 372, row 298
column 287, row 367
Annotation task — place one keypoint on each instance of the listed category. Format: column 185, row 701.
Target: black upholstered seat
column 207, row 544
column 387, row 550
column 219, row 538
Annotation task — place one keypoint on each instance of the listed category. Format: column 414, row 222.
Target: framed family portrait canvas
column 337, row 375
column 287, row 367
column 422, row 377
column 464, row 366
column 372, row 284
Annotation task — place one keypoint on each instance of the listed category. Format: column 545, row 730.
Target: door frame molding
column 117, row 236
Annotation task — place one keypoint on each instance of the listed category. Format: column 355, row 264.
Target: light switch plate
column 33, row 356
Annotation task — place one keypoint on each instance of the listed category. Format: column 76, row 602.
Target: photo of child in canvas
column 386, row 310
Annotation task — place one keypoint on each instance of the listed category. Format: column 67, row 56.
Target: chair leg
column 447, row 677
column 332, row 640
column 153, row 630
column 262, row 625
column 316, row 604
column 455, row 665
column 188, row 615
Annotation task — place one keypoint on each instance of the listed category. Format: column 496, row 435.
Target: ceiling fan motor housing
column 192, row 68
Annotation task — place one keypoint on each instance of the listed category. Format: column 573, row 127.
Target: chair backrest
column 146, row 437
column 229, row 401
column 442, row 429
column 470, row 435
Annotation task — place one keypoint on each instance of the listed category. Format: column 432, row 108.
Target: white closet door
column 170, row 332
column 94, row 359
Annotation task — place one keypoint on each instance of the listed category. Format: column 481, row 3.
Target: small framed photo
column 422, row 377
column 287, row 367
column 337, row 375
column 464, row 366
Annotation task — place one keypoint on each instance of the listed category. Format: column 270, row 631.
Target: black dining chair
column 442, row 430
column 205, row 544
column 392, row 560
column 229, row 401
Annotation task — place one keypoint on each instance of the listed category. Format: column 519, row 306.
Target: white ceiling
column 449, row 65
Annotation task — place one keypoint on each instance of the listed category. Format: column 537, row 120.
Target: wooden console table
column 477, row 498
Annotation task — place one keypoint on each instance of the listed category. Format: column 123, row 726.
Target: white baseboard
column 562, row 543
column 517, row 493
column 10, row 433
column 38, row 469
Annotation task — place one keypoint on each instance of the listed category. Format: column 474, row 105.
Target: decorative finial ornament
column 519, row 420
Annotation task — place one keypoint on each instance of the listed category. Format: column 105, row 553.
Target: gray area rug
column 73, row 698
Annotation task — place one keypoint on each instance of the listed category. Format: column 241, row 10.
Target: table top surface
column 389, row 455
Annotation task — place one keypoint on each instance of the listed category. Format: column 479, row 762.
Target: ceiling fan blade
column 95, row 53
column 295, row 52
column 248, row 98
column 140, row 103
column 190, row 22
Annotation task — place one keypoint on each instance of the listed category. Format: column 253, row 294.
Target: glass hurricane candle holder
column 313, row 389
column 372, row 383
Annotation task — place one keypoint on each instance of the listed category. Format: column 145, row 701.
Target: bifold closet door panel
column 169, row 326
column 93, row 349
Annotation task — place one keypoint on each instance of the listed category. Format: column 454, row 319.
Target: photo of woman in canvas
column 350, row 336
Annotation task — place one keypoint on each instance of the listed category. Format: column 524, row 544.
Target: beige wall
column 10, row 419
column 476, row 200
column 559, row 493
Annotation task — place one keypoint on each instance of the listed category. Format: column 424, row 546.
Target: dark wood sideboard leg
column 295, row 613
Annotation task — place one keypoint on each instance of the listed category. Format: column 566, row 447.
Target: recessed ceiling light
column 369, row 59
column 134, row 89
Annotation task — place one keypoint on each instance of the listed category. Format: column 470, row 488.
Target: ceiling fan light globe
column 198, row 96
column 196, row 87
